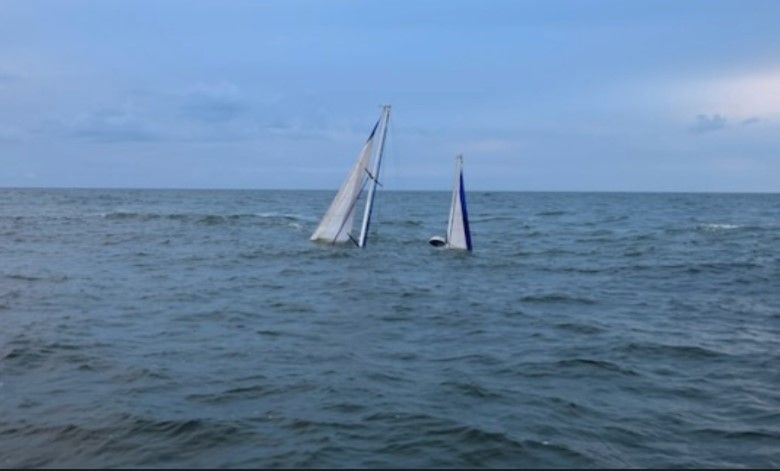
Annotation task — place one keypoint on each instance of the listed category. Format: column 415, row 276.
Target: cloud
column 753, row 94
column 204, row 112
column 489, row 146
column 705, row 123
column 8, row 77
column 740, row 96
column 749, row 121
column 114, row 125
column 11, row 133
column 214, row 103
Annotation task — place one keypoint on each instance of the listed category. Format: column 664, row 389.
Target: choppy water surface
column 202, row 328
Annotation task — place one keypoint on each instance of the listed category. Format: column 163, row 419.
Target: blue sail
column 458, row 230
column 464, row 212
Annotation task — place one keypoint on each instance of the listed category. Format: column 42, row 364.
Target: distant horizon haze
column 401, row 190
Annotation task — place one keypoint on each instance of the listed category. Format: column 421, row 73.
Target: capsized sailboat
column 337, row 224
column 458, row 231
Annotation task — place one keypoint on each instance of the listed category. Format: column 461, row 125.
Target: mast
column 374, row 177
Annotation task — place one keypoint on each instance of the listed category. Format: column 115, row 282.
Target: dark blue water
column 202, row 328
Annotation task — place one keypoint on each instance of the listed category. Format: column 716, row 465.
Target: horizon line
column 408, row 190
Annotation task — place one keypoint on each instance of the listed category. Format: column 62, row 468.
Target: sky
column 538, row 95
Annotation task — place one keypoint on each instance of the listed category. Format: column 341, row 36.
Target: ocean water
column 203, row 328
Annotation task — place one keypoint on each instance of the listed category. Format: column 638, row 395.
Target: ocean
column 202, row 328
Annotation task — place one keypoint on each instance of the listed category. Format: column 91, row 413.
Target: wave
column 721, row 228
column 30, row 355
column 691, row 352
column 471, row 445
column 718, row 227
column 271, row 218
column 474, row 358
column 396, row 222
column 569, row 367
column 594, row 365
column 122, row 440
column 750, row 436
column 234, row 394
column 286, row 216
column 579, row 328
column 691, row 268
column 551, row 213
column 51, row 278
column 478, row 219
column 471, row 390
column 556, row 298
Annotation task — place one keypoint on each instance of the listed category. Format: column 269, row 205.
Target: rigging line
column 371, row 176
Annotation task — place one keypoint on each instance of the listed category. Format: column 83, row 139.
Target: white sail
column 337, row 223
column 458, row 231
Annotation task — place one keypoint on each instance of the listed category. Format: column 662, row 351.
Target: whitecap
column 719, row 227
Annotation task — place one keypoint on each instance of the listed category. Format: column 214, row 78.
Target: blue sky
column 538, row 95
